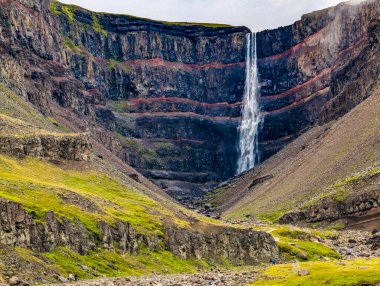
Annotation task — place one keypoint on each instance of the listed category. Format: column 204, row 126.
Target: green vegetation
column 54, row 7
column 340, row 190
column 357, row 176
column 18, row 128
column 97, row 26
column 347, row 273
column 295, row 243
column 112, row 264
column 58, row 125
column 69, row 11
column 207, row 25
column 39, row 186
column 130, row 142
column 69, row 43
column 15, row 106
column 113, row 64
column 120, row 106
column 271, row 216
column 338, row 225
column 147, row 152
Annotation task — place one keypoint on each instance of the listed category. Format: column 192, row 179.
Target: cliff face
column 359, row 212
column 171, row 91
column 316, row 70
column 19, row 229
column 166, row 98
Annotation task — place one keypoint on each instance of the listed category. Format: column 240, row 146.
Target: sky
column 256, row 14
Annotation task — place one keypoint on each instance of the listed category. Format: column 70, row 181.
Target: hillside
column 338, row 160
column 65, row 209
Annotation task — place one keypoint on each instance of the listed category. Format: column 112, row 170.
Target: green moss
column 97, row 26
column 300, row 244
column 357, row 176
column 126, row 141
column 69, row 11
column 336, row 226
column 69, row 43
column 340, row 195
column 271, row 216
column 290, row 252
column 355, row 272
column 54, row 8
column 147, row 152
column 207, row 25
column 113, row 64
column 340, row 190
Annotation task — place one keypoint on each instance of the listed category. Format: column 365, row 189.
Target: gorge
column 107, row 121
column 173, row 94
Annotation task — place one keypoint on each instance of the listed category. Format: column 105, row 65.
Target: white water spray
column 248, row 143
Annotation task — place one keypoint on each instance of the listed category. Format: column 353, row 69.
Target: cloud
column 255, row 14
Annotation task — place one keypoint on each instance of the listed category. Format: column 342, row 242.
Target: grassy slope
column 318, row 163
column 16, row 107
column 347, row 273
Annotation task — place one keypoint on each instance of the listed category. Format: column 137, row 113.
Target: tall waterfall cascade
column 249, row 127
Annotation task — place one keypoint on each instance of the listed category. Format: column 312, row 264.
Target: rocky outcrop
column 356, row 210
column 52, row 147
column 19, row 229
column 236, row 245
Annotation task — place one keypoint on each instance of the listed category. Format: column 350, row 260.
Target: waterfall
column 248, row 141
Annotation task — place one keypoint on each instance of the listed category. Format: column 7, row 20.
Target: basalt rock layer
column 360, row 211
column 316, row 70
column 47, row 146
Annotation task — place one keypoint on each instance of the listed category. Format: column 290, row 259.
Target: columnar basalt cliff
column 19, row 229
column 316, row 70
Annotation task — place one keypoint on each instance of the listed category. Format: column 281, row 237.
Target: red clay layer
column 323, row 73
column 299, row 102
column 360, row 41
column 295, row 48
column 289, row 91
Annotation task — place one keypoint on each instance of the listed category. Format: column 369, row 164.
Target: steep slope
column 65, row 208
column 339, row 161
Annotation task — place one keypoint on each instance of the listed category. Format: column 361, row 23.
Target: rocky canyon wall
column 166, row 97
column 316, row 70
column 172, row 92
